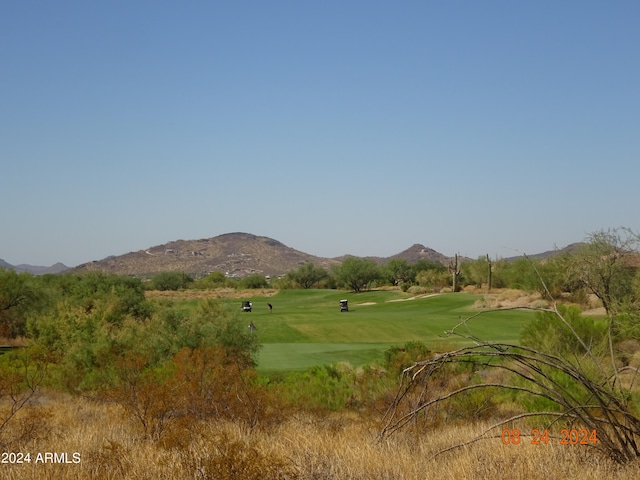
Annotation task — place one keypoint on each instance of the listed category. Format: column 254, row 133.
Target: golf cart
column 246, row 306
column 344, row 306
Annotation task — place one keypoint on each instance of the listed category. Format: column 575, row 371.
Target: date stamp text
column 567, row 437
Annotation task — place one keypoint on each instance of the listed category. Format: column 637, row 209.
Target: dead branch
column 583, row 390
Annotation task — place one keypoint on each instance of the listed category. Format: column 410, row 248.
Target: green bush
column 18, row 298
column 308, row 275
column 399, row 358
column 86, row 339
column 213, row 280
column 254, row 282
column 321, row 388
column 171, row 281
column 548, row 333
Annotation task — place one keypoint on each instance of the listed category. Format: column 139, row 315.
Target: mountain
column 237, row 254
column 419, row 252
column 34, row 269
column 37, row 270
column 569, row 249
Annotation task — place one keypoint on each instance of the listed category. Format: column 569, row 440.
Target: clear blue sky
column 335, row 127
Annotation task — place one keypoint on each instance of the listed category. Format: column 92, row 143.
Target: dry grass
column 340, row 446
column 206, row 294
column 509, row 298
column 14, row 342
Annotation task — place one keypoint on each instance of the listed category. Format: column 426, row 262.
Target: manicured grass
column 307, row 328
column 300, row 356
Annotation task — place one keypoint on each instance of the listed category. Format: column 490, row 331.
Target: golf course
column 306, row 327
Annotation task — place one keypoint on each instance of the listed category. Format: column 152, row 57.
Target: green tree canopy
column 308, row 275
column 213, row 280
column 254, row 281
column 356, row 273
column 398, row 271
column 171, row 281
column 17, row 299
column 603, row 266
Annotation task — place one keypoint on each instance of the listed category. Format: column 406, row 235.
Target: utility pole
column 489, row 274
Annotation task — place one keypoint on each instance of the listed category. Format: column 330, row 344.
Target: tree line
column 605, row 266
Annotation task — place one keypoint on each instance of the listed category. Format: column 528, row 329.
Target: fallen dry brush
column 579, row 391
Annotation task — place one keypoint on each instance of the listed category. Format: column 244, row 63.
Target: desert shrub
column 579, row 296
column 171, row 281
column 320, row 388
column 470, row 406
column 86, row 343
column 165, row 333
column 254, row 282
column 201, row 383
column 217, row 383
column 18, row 298
column 445, row 380
column 329, row 283
column 396, row 359
column 416, row 290
column 21, row 376
column 626, row 326
column 226, row 458
column 372, row 387
column 120, row 295
column 111, row 460
column 564, row 380
column 284, row 283
column 435, row 279
column 150, row 396
column 228, row 329
column 83, row 344
column 627, row 349
column 547, row 332
column 215, row 279
column 540, row 303
column 331, row 388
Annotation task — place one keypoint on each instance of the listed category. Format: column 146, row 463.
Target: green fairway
column 306, row 327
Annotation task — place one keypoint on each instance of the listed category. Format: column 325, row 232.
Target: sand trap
column 414, row 298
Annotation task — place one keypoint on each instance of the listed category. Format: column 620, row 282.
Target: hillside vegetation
column 427, row 370
column 236, row 254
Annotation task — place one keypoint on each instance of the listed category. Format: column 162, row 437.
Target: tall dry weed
column 342, row 446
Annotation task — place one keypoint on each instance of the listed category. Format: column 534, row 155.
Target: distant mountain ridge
column 569, row 249
column 236, row 254
column 34, row 269
column 418, row 252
